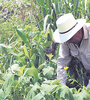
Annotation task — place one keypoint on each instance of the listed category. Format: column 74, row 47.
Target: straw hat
column 67, row 27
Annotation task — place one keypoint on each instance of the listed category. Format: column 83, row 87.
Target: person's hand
column 88, row 84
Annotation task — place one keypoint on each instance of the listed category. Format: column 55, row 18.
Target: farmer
column 74, row 52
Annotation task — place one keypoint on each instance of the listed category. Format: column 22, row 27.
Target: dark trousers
column 77, row 75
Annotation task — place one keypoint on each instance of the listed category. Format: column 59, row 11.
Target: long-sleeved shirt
column 67, row 50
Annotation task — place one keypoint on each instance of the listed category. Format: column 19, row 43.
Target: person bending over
column 74, row 52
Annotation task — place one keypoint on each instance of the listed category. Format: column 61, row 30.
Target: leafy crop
column 27, row 59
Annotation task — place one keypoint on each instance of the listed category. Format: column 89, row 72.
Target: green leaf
column 56, row 82
column 23, row 37
column 46, row 89
column 32, row 72
column 47, row 44
column 88, row 89
column 41, row 66
column 45, row 22
column 84, row 95
column 65, row 93
column 49, row 56
column 33, row 59
column 4, row 46
column 20, row 73
column 1, row 94
column 1, row 81
column 33, row 92
column 42, row 5
column 48, row 72
column 7, row 48
column 25, row 51
column 39, row 96
column 8, row 85
column 15, row 69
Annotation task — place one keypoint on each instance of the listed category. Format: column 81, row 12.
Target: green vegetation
column 27, row 52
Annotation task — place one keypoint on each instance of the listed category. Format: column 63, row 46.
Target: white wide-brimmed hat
column 67, row 27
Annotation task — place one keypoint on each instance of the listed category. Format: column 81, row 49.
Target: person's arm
column 88, row 84
column 63, row 60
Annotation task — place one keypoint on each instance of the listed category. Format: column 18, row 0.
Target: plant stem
column 31, row 29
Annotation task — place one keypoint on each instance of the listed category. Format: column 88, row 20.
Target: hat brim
column 61, row 38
